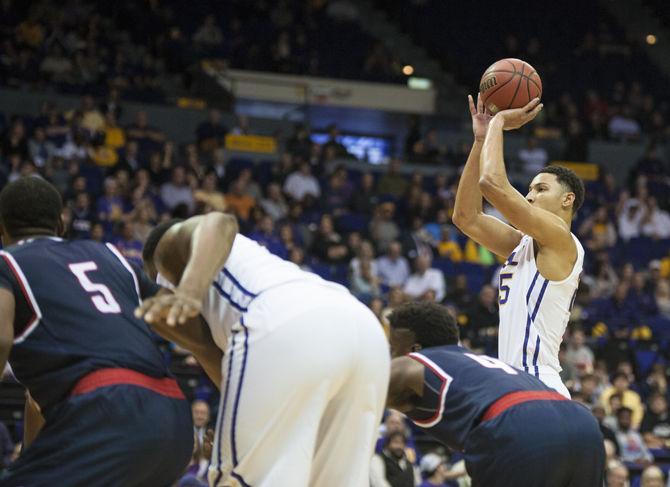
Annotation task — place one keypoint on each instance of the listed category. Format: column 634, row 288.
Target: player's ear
column 60, row 227
column 568, row 200
column 416, row 347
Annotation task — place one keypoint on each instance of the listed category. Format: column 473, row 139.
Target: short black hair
column 30, row 204
column 432, row 324
column 571, row 181
column 154, row 237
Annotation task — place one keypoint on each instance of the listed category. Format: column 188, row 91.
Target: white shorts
column 553, row 380
column 301, row 404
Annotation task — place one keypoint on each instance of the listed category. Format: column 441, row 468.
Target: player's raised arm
column 469, row 217
column 406, row 383
column 200, row 246
column 545, row 227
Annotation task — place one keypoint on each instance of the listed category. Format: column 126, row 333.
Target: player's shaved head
column 30, row 206
column 425, row 324
column 152, row 242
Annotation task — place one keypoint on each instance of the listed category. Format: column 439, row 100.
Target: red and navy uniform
column 511, row 428
column 114, row 416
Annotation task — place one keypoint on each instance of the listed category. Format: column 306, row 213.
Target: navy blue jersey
column 74, row 314
column 459, row 386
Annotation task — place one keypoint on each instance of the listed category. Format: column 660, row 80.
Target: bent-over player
column 306, row 364
column 512, row 428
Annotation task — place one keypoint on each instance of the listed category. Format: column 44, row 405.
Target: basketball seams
column 487, row 95
column 514, row 63
column 516, row 92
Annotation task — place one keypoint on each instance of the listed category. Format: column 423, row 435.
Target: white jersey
column 249, row 271
column 534, row 311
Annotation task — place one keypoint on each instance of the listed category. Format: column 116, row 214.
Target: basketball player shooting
column 539, row 279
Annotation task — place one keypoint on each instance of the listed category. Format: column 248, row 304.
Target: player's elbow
column 488, row 185
column 225, row 222
column 463, row 219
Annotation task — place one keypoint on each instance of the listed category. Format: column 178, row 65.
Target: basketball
column 509, row 83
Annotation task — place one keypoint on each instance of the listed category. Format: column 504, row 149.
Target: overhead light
column 651, row 39
column 408, row 70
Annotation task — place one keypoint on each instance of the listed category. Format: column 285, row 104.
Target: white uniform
column 305, row 375
column 534, row 313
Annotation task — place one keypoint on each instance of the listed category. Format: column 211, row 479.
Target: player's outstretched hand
column 518, row 117
column 174, row 308
column 480, row 117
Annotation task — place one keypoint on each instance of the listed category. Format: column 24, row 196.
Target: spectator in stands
column 616, row 312
column 6, row 447
column 337, row 194
column 533, row 157
column 393, row 267
column 652, row 476
column 40, row 149
column 148, row 138
column 617, row 475
column 434, row 470
column 211, row 133
column 82, row 216
column 209, row 35
column 365, row 251
column 598, row 230
column 201, row 415
column 630, row 220
column 598, row 411
column 589, row 389
column 328, row 245
column 662, row 298
column 365, row 283
column 265, row 236
column 302, row 183
column 459, row 294
column 482, row 316
column 383, row 228
column 239, row 201
column 111, row 206
column 128, row 245
column 641, row 298
column 578, row 354
column 177, row 191
column 655, row 426
column 274, row 204
column 656, row 222
column 622, row 125
column 208, row 197
column 333, row 143
column 392, row 182
column 633, row 448
column 630, row 399
column 425, row 279
column 390, row 468
column 297, row 256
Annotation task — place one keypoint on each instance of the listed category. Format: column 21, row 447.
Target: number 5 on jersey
column 103, row 299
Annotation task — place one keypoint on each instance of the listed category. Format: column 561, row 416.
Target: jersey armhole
column 445, row 380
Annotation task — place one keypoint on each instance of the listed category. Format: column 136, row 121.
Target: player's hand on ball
column 174, row 308
column 518, row 117
column 480, row 117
